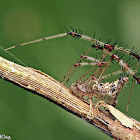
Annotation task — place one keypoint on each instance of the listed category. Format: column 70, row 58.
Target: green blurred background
column 25, row 116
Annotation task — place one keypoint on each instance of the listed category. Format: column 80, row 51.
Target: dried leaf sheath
column 41, row 83
column 45, row 85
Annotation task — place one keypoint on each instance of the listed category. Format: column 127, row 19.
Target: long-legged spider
column 90, row 83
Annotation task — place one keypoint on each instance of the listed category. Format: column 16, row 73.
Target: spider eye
column 101, row 84
column 113, row 90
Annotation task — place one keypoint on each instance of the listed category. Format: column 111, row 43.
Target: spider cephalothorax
column 105, row 91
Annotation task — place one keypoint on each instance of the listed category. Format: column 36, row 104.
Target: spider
column 91, row 87
column 90, row 83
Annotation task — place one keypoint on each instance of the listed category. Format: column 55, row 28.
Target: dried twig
column 46, row 86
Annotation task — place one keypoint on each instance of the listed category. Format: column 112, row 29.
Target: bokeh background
column 26, row 116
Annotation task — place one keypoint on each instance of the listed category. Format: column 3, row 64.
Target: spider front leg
column 94, row 62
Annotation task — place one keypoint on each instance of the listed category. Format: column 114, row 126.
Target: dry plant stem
column 46, row 86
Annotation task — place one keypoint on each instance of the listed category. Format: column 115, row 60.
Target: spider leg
column 38, row 40
column 110, row 47
column 132, row 88
column 111, row 74
column 91, row 113
column 72, row 70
